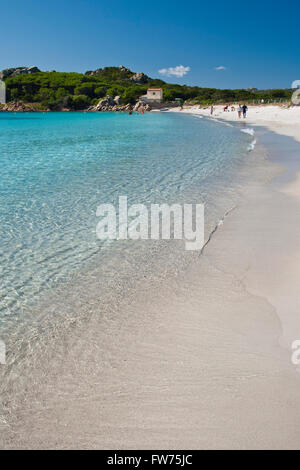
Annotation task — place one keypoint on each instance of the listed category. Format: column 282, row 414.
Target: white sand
column 280, row 286
column 280, row 119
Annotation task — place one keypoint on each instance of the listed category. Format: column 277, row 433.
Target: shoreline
column 279, row 119
column 284, row 123
column 202, row 361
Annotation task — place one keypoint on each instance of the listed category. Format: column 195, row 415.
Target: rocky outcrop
column 124, row 69
column 18, row 107
column 104, row 104
column 14, row 72
column 123, row 76
column 141, row 107
column 107, row 101
column 120, row 73
column 139, row 78
column 93, row 72
column 110, row 104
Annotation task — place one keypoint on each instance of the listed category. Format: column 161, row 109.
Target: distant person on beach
column 211, row 110
column 245, row 109
column 239, row 111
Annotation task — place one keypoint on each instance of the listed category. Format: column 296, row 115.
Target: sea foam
column 252, row 145
column 248, row 131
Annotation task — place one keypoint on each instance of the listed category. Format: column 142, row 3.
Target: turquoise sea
column 56, row 168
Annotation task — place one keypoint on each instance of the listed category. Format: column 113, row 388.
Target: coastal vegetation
column 76, row 91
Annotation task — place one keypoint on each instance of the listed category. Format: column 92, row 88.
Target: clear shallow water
column 57, row 168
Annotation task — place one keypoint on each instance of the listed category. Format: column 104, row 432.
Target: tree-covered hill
column 57, row 90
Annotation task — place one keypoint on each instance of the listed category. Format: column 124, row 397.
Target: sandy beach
column 201, row 359
column 150, row 229
column 280, row 119
column 281, row 286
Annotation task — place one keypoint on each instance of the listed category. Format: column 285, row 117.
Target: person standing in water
column 245, row 109
column 239, row 111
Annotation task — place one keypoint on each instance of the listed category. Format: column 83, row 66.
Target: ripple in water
column 57, row 168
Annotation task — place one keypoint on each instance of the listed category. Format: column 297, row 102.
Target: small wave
column 248, row 131
column 218, row 224
column 221, row 121
column 252, row 145
column 227, row 124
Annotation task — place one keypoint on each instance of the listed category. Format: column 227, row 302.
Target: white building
column 153, row 95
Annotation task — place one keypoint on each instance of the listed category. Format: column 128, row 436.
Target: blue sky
column 256, row 42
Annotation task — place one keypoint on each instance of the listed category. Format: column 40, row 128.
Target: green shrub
column 80, row 102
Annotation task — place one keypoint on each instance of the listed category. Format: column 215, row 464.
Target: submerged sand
column 201, row 359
